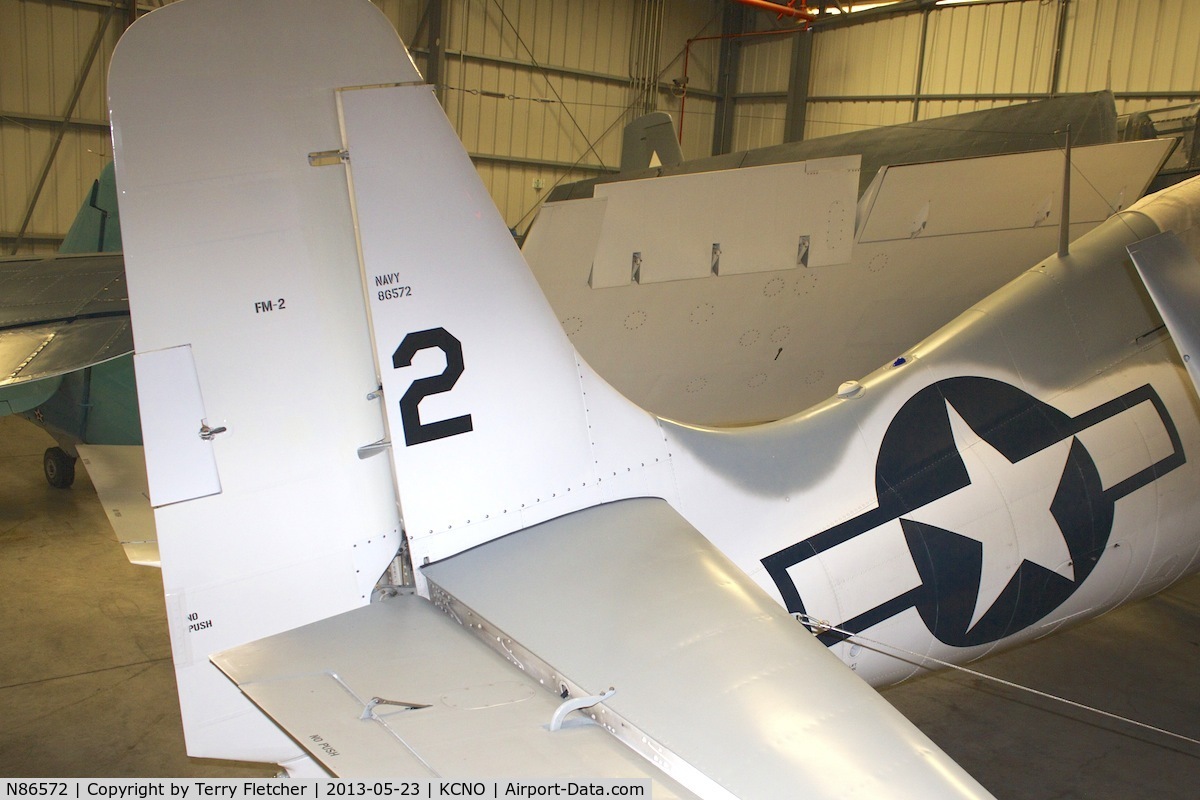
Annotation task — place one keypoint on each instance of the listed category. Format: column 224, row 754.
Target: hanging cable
column 533, row 60
column 813, row 622
column 616, row 121
column 502, row 95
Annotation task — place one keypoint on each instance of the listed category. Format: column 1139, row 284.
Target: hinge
column 327, row 158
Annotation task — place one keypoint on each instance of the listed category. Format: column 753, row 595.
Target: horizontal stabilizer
column 1172, row 277
column 630, row 596
column 450, row 708
column 47, row 351
column 119, row 474
column 61, row 313
column 58, row 287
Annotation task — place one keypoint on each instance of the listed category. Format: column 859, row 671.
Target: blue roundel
column 920, row 463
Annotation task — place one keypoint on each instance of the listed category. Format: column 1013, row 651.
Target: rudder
column 495, row 422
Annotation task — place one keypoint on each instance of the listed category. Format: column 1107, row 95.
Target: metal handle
column 207, row 433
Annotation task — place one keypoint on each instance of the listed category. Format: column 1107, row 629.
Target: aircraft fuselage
column 1024, row 468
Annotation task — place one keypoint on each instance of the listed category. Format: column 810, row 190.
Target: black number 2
column 415, row 431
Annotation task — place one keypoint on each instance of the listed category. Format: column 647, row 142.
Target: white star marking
column 1006, row 508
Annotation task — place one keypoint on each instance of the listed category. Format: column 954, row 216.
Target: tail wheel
column 59, row 468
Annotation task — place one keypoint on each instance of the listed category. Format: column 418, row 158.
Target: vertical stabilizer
column 243, row 254
column 494, row 422
column 97, row 226
column 297, row 286
column 650, row 141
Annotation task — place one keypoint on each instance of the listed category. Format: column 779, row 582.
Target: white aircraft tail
column 316, row 276
column 258, row 382
column 495, row 422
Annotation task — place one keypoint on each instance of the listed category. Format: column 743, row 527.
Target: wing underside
column 60, row 314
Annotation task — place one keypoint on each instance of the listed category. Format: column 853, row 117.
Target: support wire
column 823, row 626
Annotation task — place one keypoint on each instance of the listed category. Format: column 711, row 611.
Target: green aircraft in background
column 65, row 343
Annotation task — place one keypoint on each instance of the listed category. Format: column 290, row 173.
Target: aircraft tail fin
column 480, row 384
column 273, row 290
column 118, row 473
column 252, row 363
column 97, row 226
column 650, row 141
column 295, row 318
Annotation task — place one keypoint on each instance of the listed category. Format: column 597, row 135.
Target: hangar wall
column 44, row 63
column 930, row 61
column 539, row 90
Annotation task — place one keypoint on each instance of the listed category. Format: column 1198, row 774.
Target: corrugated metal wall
column 1148, row 52
column 764, row 73
column 1000, row 48
column 688, row 36
column 539, row 90
column 518, row 108
column 43, row 47
column 951, row 59
column 840, row 70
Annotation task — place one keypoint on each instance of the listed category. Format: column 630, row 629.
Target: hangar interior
column 539, row 92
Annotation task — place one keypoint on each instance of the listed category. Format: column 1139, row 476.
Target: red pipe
column 784, row 11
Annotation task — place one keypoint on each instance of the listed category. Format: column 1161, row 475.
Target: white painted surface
column 118, row 473
column 215, row 107
column 1172, row 276
column 673, row 223
column 480, row 718
column 508, row 440
column 736, row 349
column 182, row 466
column 302, row 525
